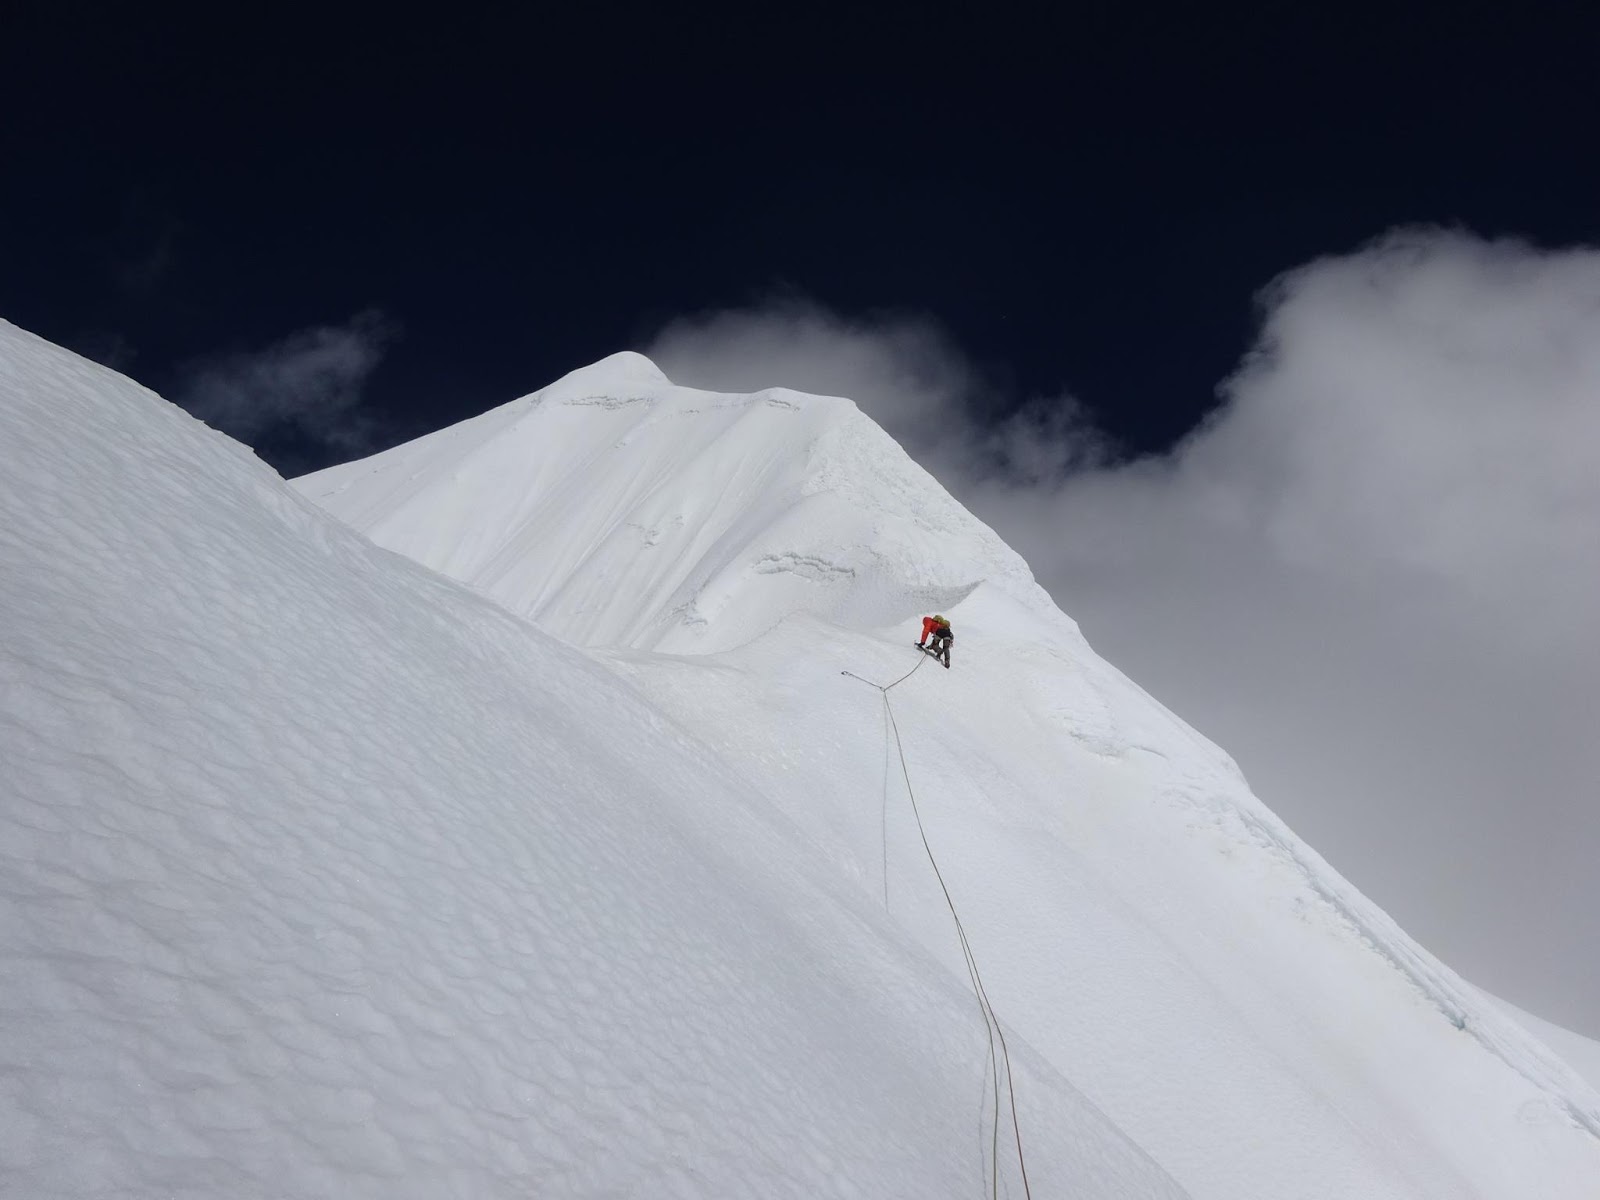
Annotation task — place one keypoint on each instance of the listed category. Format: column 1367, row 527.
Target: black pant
column 941, row 646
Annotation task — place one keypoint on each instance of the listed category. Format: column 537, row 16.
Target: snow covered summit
column 618, row 510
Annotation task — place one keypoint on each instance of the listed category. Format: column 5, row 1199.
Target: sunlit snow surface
column 322, row 877
column 1145, row 924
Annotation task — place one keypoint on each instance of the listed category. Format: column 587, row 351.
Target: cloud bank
column 902, row 369
column 1371, row 575
column 307, row 386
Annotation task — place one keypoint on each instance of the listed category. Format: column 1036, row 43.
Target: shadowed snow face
column 1370, row 575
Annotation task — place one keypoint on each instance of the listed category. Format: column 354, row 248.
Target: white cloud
column 1371, row 575
column 1429, row 405
column 309, row 383
column 901, row 369
column 903, row 366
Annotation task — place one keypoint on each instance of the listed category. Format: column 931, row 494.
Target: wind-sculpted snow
column 617, row 509
column 321, row 876
column 1144, row 924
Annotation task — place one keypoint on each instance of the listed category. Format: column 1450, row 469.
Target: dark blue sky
column 1086, row 203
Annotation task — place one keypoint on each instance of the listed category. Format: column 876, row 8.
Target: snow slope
column 1145, row 925
column 1579, row 1052
column 321, row 876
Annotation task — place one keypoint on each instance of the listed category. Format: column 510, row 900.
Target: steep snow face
column 322, row 876
column 1581, row 1053
column 1145, row 924
column 618, row 510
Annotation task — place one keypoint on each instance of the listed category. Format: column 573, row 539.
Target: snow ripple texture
column 321, row 876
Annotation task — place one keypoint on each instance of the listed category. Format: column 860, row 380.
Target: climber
column 939, row 629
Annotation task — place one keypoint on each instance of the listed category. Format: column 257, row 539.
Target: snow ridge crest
column 619, row 509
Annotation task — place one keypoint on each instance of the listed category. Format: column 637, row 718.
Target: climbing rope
column 990, row 1021
column 883, row 810
column 885, row 688
column 883, row 813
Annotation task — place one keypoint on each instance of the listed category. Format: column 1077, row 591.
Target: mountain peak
column 618, row 509
column 625, row 368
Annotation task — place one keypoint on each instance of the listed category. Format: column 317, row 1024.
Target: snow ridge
column 619, row 510
column 1456, row 999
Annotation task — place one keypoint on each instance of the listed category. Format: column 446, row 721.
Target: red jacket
column 930, row 627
